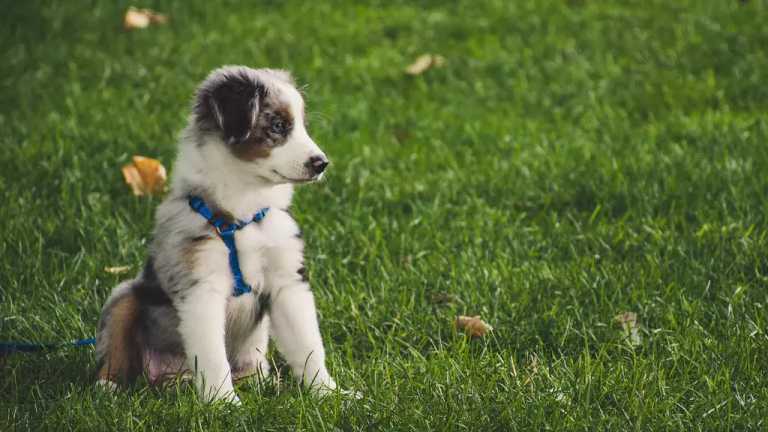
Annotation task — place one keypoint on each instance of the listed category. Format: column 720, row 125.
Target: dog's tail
column 119, row 351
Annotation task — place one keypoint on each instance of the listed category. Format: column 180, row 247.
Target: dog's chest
column 262, row 249
column 254, row 248
column 265, row 248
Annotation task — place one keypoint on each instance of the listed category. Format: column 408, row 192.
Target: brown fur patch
column 251, row 150
column 190, row 251
column 123, row 361
column 285, row 113
column 262, row 138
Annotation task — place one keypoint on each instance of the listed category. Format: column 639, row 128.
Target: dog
column 244, row 148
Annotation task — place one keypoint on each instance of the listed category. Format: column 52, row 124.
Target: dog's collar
column 226, row 232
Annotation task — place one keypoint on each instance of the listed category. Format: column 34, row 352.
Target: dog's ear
column 229, row 103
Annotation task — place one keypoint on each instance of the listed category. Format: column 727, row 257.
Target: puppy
column 188, row 311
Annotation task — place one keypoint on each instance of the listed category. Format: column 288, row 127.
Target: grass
column 573, row 160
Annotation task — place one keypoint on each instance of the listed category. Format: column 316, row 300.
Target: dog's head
column 257, row 117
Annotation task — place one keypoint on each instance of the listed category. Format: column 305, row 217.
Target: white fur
column 190, row 264
column 212, row 320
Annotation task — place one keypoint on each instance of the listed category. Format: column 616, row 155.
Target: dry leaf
column 629, row 327
column 117, row 269
column 473, row 326
column 142, row 18
column 146, row 176
column 424, row 62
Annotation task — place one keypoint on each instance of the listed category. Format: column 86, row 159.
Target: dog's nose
column 317, row 164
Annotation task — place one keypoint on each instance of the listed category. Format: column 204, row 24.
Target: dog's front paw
column 233, row 399
column 350, row 394
column 329, row 387
column 214, row 394
column 321, row 385
column 227, row 398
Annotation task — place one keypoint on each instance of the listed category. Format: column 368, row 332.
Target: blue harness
column 227, row 234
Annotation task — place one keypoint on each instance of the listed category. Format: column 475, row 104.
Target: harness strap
column 226, row 233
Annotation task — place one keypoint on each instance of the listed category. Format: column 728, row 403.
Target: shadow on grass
column 26, row 377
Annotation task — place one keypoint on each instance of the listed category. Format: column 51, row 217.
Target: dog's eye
column 278, row 126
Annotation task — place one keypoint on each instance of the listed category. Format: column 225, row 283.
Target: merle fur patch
column 148, row 290
column 251, row 119
column 264, row 304
column 229, row 103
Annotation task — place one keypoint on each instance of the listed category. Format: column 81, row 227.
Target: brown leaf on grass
column 629, row 327
column 473, row 325
column 117, row 269
column 141, row 18
column 423, row 63
column 145, row 176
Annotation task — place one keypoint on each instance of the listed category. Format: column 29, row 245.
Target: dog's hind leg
column 251, row 359
column 118, row 344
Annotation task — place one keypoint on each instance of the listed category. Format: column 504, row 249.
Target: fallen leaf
column 473, row 326
column 629, row 327
column 117, row 269
column 145, row 176
column 424, row 62
column 142, row 18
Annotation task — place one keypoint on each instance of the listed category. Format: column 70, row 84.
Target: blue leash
column 13, row 347
column 227, row 234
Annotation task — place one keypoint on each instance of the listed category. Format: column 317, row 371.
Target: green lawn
column 572, row 160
